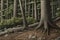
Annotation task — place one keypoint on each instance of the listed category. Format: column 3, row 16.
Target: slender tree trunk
column 25, row 7
column 28, row 9
column 1, row 10
column 15, row 6
column 23, row 15
column 54, row 8
column 35, row 11
column 32, row 10
column 7, row 10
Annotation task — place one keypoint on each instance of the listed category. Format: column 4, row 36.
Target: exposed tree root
column 40, row 24
column 46, row 25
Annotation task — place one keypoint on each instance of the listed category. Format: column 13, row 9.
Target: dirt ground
column 31, row 35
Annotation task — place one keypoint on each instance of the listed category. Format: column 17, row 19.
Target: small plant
column 31, row 20
column 15, row 21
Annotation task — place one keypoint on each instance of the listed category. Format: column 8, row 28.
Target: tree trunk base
column 47, row 26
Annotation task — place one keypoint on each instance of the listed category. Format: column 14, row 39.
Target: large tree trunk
column 45, row 11
column 46, row 16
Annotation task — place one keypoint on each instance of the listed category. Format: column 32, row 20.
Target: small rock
column 32, row 37
column 5, row 35
column 39, row 38
column 29, row 36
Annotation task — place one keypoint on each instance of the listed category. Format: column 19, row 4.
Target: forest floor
column 32, row 35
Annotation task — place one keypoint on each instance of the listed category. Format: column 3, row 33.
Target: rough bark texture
column 46, row 16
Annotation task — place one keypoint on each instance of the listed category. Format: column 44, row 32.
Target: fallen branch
column 57, row 19
column 16, row 29
column 33, row 25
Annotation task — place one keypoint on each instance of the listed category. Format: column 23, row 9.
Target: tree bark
column 7, row 10
column 23, row 15
column 35, row 11
column 1, row 10
column 25, row 6
column 54, row 8
column 15, row 8
column 28, row 9
column 46, row 16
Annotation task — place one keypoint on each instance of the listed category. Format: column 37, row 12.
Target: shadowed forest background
column 29, row 19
